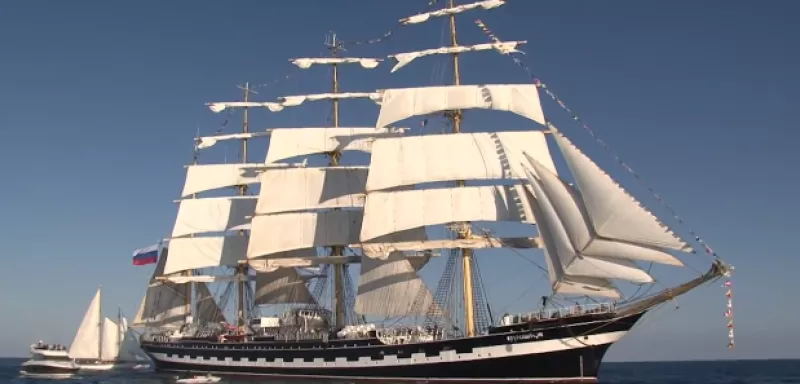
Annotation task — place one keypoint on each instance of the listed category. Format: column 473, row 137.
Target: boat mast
column 119, row 331
column 466, row 253
column 338, row 269
column 100, row 323
column 188, row 288
column 241, row 269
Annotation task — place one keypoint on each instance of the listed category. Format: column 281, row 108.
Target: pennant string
column 729, row 312
column 389, row 34
column 538, row 82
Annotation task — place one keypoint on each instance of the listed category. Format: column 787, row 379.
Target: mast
column 241, row 269
column 338, row 269
column 119, row 332
column 188, row 288
column 466, row 253
column 100, row 323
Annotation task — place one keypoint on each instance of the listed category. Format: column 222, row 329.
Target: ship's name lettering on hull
column 525, row 336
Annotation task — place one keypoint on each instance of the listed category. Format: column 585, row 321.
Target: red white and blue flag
column 146, row 255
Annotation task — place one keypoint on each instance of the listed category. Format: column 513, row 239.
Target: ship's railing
column 48, row 347
column 406, row 334
column 556, row 313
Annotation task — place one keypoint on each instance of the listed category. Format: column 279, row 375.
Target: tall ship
column 324, row 242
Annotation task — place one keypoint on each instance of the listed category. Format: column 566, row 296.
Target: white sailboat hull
column 107, row 366
column 97, row 367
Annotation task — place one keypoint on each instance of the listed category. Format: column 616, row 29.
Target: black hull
column 564, row 350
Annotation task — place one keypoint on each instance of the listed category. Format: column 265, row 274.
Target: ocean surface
column 695, row 372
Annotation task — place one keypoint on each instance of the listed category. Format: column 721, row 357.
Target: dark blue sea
column 695, row 372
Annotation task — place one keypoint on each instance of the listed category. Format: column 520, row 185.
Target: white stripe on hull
column 479, row 353
column 576, row 379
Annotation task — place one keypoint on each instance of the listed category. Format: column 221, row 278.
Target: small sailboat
column 101, row 344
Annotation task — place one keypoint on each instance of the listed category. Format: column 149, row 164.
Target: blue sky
column 99, row 103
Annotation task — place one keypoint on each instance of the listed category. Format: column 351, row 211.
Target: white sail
column 563, row 254
column 405, row 161
column 165, row 307
column 164, row 304
column 293, row 205
column 402, row 103
column 286, row 143
column 301, row 189
column 204, row 252
column 583, row 238
column 206, row 308
column 213, row 214
column 111, row 338
column 613, row 212
column 207, row 177
column 297, row 230
column 138, row 319
column 281, row 286
column 391, row 288
column 389, row 212
column 86, row 344
column 129, row 349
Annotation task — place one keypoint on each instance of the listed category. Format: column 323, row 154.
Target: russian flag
column 146, row 255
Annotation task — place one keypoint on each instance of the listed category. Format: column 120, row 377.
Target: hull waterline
column 48, row 369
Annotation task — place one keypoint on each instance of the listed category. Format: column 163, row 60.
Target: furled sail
column 505, row 47
column 295, row 142
column 423, row 17
column 86, row 343
column 209, row 141
column 289, row 101
column 307, row 62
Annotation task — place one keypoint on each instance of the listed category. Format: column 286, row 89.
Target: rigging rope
column 708, row 250
column 389, row 34
column 515, row 57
